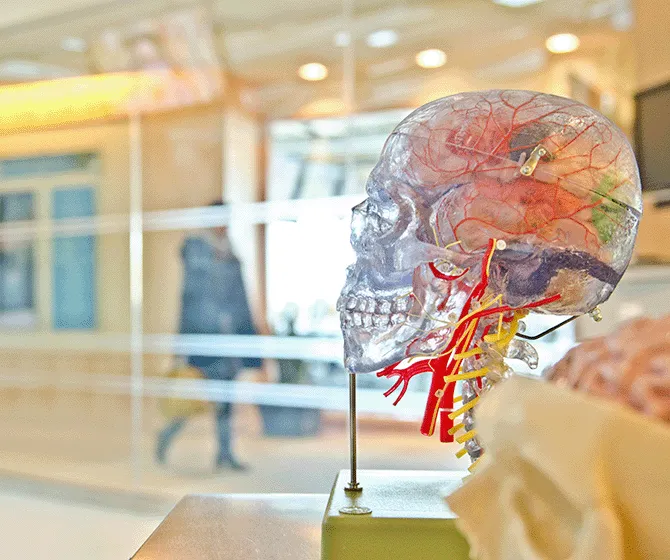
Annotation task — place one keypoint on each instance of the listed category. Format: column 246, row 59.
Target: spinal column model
column 483, row 206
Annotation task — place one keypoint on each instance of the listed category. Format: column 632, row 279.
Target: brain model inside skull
column 631, row 366
column 483, row 207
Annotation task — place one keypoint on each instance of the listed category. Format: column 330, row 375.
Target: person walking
column 214, row 301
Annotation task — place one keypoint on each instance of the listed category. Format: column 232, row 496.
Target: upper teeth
column 370, row 305
column 367, row 312
column 371, row 320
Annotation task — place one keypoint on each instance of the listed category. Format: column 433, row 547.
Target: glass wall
column 175, row 226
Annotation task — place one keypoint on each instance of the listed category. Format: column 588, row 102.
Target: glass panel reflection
column 224, row 113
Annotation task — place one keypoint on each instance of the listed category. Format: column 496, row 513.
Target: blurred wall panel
column 181, row 153
column 653, row 53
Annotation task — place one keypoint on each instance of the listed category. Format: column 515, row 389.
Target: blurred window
column 306, row 258
column 17, row 299
column 63, row 184
column 74, row 285
column 311, row 159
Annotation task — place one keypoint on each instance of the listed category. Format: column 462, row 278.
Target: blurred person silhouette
column 214, row 301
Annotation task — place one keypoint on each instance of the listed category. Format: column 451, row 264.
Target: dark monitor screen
column 652, row 137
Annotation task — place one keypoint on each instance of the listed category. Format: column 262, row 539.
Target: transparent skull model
column 483, row 206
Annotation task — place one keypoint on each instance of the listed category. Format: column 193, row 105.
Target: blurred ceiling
column 263, row 42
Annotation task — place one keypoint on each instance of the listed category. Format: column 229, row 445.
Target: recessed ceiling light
column 382, row 38
column 562, row 43
column 431, row 58
column 73, row 44
column 516, row 3
column 313, row 72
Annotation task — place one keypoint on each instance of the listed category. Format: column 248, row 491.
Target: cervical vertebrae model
column 483, row 207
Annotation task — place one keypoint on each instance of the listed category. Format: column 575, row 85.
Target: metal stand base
column 401, row 515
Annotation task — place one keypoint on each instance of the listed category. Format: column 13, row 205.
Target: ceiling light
column 73, row 44
column 516, row 3
column 431, row 58
column 313, row 72
column 562, row 43
column 382, row 38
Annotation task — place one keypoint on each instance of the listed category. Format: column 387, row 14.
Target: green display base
column 409, row 518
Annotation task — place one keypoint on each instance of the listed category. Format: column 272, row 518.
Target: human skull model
column 483, row 206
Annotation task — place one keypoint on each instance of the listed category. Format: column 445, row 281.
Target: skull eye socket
column 384, row 206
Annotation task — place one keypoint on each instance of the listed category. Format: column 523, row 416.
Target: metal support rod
column 349, row 98
column 353, row 485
